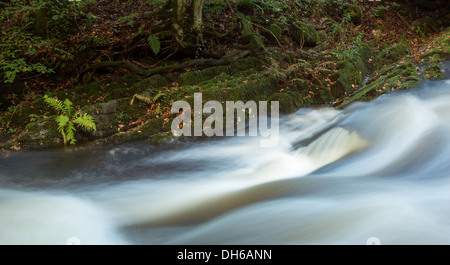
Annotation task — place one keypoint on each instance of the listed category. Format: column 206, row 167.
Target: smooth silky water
column 378, row 169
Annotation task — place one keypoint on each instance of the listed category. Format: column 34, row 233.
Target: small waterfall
column 336, row 177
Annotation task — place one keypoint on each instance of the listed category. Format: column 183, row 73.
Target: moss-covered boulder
column 196, row 77
column 106, row 90
column 41, row 134
column 252, row 41
column 350, row 73
column 354, row 11
column 394, row 53
column 273, row 34
column 304, row 34
column 152, row 84
column 386, row 80
column 288, row 102
column 246, row 64
column 345, row 79
column 433, row 70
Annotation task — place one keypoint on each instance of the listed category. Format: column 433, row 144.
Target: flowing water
column 378, row 169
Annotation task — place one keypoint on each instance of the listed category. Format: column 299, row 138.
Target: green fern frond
column 55, row 103
column 86, row 121
column 68, row 107
column 70, row 133
column 62, row 121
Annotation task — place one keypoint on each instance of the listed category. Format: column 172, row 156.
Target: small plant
column 419, row 31
column 214, row 6
column 154, row 43
column 68, row 118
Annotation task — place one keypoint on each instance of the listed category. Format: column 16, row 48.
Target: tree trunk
column 180, row 29
column 197, row 11
column 179, row 13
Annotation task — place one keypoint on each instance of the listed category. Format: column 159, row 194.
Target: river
column 378, row 169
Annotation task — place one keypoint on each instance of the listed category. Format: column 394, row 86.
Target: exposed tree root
column 197, row 63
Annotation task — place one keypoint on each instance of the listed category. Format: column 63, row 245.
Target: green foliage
column 338, row 32
column 21, row 48
column 15, row 48
column 214, row 6
column 154, row 43
column 379, row 11
column 129, row 20
column 276, row 5
column 68, row 118
column 419, row 31
column 157, row 2
column 343, row 53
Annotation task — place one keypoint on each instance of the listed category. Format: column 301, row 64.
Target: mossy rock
column 354, row 11
column 288, row 102
column 196, row 77
column 350, row 73
column 433, row 70
column 255, row 87
column 152, row 84
column 42, row 134
column 394, row 53
column 127, row 112
column 252, row 41
column 274, row 33
column 109, row 89
column 305, row 34
column 345, row 79
column 386, row 80
column 245, row 64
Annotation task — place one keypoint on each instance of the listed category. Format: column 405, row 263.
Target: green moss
column 274, row 33
column 433, row 70
column 386, row 80
column 155, row 127
column 440, row 47
column 245, row 64
column 304, row 34
column 257, row 88
column 394, row 53
column 354, row 11
column 41, row 134
column 151, row 84
column 252, row 41
column 127, row 112
column 107, row 90
column 288, row 102
column 196, row 77
column 344, row 79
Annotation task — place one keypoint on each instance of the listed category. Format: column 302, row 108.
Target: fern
column 214, row 6
column 154, row 43
column 68, row 118
column 86, row 121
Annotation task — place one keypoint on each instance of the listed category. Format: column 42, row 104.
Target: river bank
column 330, row 59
